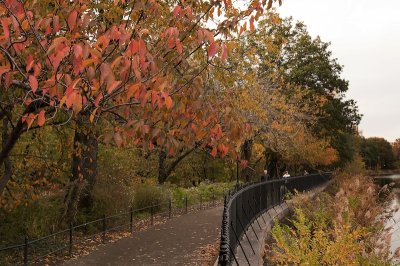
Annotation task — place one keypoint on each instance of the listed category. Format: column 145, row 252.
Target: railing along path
column 245, row 204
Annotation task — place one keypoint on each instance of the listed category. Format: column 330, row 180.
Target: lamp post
column 237, row 172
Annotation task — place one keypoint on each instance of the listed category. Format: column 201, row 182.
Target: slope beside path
column 172, row 243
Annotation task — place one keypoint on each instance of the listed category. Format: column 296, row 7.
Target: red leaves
column 212, row 49
column 78, row 50
column 111, row 87
column 33, row 83
column 177, row 11
column 214, row 152
column 179, row 47
column 29, row 63
column 72, row 19
column 56, row 24
column 134, row 47
column 224, row 52
column 243, row 164
column 6, row 31
column 78, row 59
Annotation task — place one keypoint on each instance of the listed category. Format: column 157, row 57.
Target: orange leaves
column 168, row 102
column 41, row 118
column 30, row 118
column 223, row 149
column 72, row 19
column 33, row 83
column 98, row 61
column 252, row 24
column 3, row 69
column 214, row 152
column 132, row 90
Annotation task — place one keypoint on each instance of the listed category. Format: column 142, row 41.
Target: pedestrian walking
column 265, row 176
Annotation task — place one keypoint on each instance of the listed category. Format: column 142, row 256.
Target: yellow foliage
column 338, row 227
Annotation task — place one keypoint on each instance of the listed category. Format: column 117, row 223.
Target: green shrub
column 149, row 195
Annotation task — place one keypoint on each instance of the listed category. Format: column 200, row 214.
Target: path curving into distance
column 171, row 243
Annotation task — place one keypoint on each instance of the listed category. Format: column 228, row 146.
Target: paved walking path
column 171, row 243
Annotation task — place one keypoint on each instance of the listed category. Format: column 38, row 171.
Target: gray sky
column 365, row 37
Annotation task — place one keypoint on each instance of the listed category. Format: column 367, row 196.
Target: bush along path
column 184, row 240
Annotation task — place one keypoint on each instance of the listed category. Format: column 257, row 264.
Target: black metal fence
column 245, row 204
column 66, row 242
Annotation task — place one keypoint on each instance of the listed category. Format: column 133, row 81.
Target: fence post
column 186, row 204
column 26, row 244
column 169, row 208
column 104, row 229
column 223, row 257
column 71, row 228
column 151, row 213
column 131, row 220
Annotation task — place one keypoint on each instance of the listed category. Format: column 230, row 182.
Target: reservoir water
column 394, row 221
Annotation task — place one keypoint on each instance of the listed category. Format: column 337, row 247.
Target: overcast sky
column 365, row 37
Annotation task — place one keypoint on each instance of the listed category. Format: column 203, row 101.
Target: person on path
column 265, row 176
column 286, row 175
column 283, row 186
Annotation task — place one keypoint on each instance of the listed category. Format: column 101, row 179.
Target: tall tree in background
column 377, row 153
column 307, row 62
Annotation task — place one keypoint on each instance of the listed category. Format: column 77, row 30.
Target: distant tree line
column 378, row 153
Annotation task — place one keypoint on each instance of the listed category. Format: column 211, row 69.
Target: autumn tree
column 278, row 112
column 121, row 71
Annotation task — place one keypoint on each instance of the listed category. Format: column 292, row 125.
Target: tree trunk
column 164, row 170
column 272, row 163
column 162, row 175
column 7, row 162
column 84, row 173
column 247, row 151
